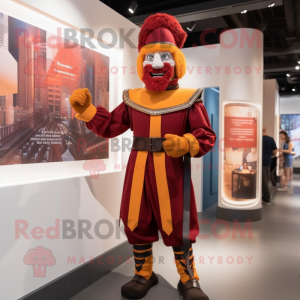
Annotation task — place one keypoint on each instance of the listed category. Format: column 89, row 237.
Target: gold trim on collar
column 196, row 97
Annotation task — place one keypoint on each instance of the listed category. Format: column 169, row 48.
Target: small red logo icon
column 38, row 67
column 39, row 258
column 95, row 166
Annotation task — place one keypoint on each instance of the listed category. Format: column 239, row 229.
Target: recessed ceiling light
column 288, row 75
column 299, row 62
column 297, row 67
column 294, row 90
column 133, row 6
column 191, row 26
column 272, row 4
column 244, row 11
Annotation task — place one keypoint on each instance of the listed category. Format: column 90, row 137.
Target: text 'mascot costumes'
column 168, row 123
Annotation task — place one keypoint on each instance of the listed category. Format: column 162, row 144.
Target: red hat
column 161, row 28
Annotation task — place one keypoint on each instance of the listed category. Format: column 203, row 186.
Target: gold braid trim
column 196, row 97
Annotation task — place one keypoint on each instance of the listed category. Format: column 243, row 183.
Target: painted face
column 158, row 70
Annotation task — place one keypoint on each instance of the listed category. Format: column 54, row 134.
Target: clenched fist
column 81, row 101
column 177, row 146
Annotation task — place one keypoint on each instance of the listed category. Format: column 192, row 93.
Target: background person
column 269, row 149
column 281, row 168
column 273, row 170
column 288, row 151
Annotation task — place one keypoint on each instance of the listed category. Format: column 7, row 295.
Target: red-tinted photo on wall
column 241, row 165
column 38, row 73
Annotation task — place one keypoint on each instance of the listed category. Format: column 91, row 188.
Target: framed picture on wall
column 40, row 138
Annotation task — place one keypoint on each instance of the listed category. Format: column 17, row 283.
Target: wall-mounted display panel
column 240, row 159
column 37, row 123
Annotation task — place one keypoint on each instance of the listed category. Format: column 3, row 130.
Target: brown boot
column 138, row 287
column 181, row 264
column 144, row 277
column 191, row 290
column 188, row 286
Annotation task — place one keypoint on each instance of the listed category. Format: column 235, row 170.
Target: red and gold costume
column 192, row 120
column 153, row 192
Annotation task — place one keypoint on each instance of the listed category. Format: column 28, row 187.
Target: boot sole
column 181, row 293
column 179, row 290
column 127, row 296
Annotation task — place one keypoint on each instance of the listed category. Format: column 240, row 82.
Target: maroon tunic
column 194, row 121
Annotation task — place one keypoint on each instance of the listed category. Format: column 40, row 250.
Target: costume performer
column 170, row 125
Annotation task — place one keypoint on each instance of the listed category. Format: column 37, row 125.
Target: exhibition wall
column 289, row 120
column 77, row 201
column 290, row 105
column 211, row 159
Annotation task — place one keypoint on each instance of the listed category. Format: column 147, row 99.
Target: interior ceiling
column 280, row 25
column 201, row 25
column 148, row 6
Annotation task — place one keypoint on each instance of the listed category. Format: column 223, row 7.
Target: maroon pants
column 149, row 218
column 192, row 120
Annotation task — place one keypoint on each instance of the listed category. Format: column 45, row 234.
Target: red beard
column 157, row 84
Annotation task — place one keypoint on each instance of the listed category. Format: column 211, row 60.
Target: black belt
column 155, row 144
column 151, row 144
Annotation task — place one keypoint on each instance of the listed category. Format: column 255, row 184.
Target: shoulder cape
column 159, row 103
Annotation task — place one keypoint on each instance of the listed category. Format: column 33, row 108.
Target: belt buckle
column 155, row 145
column 150, row 144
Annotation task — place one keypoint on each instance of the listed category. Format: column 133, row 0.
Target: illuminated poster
column 291, row 124
column 37, row 124
column 241, row 144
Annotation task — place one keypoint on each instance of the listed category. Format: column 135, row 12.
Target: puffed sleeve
column 109, row 125
column 200, row 128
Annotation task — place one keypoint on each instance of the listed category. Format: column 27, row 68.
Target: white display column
column 240, row 141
